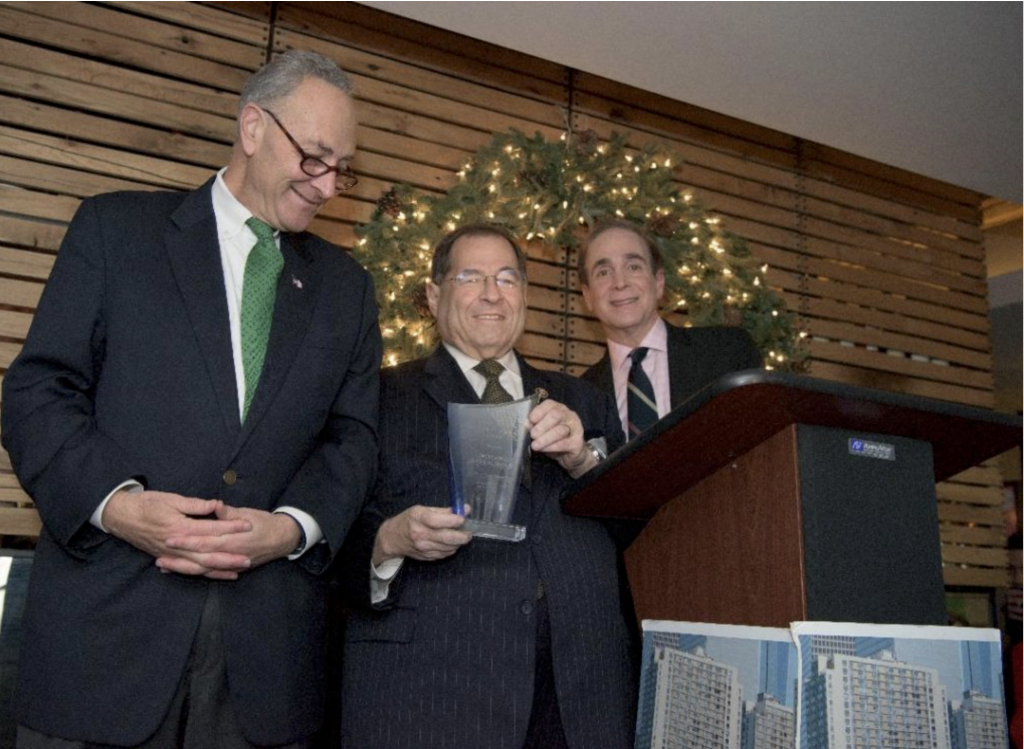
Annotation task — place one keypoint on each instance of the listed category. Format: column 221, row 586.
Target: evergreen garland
column 552, row 192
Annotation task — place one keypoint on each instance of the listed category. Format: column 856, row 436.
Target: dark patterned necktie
column 641, row 407
column 493, row 391
column 259, row 288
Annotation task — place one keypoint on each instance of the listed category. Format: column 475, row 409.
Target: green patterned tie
column 259, row 287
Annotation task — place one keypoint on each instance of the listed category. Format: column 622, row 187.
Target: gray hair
column 282, row 75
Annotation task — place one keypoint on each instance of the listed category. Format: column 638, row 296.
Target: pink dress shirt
column 655, row 366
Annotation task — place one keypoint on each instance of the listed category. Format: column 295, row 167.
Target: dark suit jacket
column 128, row 372
column 696, row 358
column 448, row 659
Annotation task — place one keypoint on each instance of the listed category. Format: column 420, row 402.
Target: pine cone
column 389, row 204
column 534, row 178
column 585, row 142
column 664, row 225
column 419, row 301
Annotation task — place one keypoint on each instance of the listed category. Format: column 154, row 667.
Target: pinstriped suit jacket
column 448, row 659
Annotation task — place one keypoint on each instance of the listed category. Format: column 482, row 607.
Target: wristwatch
column 596, row 449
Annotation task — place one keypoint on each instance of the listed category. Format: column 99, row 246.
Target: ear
column 433, row 295
column 586, row 297
column 659, row 282
column 250, row 128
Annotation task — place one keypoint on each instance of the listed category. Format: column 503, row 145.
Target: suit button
column 230, row 477
column 526, row 607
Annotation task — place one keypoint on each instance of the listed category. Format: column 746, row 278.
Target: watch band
column 596, row 451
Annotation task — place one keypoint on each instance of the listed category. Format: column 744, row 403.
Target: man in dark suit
column 177, row 596
column 470, row 642
column 623, row 279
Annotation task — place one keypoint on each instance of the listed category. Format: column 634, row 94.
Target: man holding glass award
column 510, row 634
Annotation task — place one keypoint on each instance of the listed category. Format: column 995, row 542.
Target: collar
column 466, row 362
column 231, row 214
column 656, row 339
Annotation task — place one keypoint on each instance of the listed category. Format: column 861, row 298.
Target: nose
column 618, row 278
column 489, row 289
column 325, row 184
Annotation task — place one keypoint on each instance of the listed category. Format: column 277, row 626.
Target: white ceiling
column 934, row 88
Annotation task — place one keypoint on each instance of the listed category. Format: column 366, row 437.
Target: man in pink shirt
column 623, row 280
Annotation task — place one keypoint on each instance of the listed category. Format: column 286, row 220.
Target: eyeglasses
column 506, row 279
column 315, row 167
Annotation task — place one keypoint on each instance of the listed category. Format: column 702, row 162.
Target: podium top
column 741, row 410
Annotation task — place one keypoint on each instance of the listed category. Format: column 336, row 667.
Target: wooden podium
column 772, row 498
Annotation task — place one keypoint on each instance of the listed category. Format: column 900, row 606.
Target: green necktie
column 259, row 287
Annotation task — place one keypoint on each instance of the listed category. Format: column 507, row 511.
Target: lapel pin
column 296, row 283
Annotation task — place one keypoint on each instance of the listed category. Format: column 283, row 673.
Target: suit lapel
column 532, row 378
column 193, row 251
column 680, row 359
column 445, row 382
column 602, row 373
column 298, row 289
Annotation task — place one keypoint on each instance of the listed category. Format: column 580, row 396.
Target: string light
column 541, row 190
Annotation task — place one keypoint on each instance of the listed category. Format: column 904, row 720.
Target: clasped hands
column 432, row 533
column 204, row 537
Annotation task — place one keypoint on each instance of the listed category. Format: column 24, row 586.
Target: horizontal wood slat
column 883, row 380
column 388, row 71
column 13, row 323
column 973, row 536
column 8, row 352
column 127, row 137
column 17, row 293
column 974, row 577
column 365, row 28
column 29, row 232
column 19, row 521
column 62, row 181
column 254, row 30
column 113, row 101
column 74, row 155
column 108, row 34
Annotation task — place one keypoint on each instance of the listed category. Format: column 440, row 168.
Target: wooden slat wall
column 884, row 268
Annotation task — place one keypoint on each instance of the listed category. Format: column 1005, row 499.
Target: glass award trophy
column 487, row 445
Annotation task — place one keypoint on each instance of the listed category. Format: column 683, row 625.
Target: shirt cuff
column 131, row 485
column 381, row 577
column 310, row 528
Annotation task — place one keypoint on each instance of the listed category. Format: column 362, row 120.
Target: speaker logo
column 868, row 449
